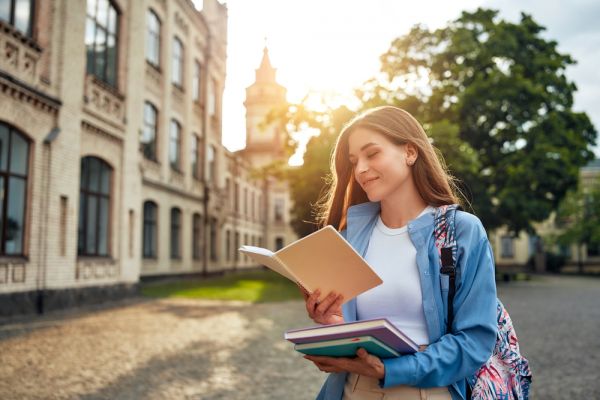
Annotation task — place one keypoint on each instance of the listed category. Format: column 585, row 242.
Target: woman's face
column 380, row 166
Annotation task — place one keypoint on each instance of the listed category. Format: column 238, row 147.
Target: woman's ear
column 411, row 153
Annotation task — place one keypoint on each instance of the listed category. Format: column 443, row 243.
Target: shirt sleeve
column 462, row 352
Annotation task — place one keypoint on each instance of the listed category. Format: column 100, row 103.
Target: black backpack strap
column 445, row 242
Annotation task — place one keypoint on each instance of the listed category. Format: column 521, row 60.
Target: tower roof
column 265, row 73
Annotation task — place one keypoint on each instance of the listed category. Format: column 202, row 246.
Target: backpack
column 506, row 374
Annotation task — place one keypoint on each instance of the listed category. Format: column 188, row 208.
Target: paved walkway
column 184, row 349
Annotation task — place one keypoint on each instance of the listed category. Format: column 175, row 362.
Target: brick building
column 112, row 166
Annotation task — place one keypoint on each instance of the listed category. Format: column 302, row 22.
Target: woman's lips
column 368, row 181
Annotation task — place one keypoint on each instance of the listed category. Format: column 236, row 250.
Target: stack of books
column 378, row 337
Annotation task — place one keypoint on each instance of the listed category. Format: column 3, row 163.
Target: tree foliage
column 494, row 97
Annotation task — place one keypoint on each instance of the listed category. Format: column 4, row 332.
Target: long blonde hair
column 435, row 185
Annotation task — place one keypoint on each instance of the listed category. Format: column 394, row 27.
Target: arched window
column 148, row 139
column 102, row 39
column 175, row 233
column 150, row 229
column 175, row 145
column 153, row 39
column 14, row 168
column 178, row 59
column 94, row 208
column 196, row 236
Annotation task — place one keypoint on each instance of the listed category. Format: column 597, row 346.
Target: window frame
column 83, row 225
column 12, row 13
column 6, row 175
column 180, row 60
column 155, row 38
column 196, row 236
column 175, row 164
column 104, row 76
column 175, row 233
column 153, row 156
column 152, row 225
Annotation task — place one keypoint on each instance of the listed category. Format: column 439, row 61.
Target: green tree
column 504, row 88
column 579, row 215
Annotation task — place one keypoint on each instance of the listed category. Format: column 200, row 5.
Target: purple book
column 379, row 328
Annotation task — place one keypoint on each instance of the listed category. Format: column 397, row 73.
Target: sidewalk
column 191, row 349
column 158, row 349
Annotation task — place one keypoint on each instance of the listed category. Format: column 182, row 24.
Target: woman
column 387, row 179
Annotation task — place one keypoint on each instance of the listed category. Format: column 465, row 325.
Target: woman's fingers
column 311, row 303
column 327, row 302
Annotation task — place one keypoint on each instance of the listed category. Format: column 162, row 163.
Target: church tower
column 264, row 143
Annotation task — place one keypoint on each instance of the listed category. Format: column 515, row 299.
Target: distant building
column 512, row 251
column 111, row 162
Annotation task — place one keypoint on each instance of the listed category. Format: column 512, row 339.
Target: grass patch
column 255, row 286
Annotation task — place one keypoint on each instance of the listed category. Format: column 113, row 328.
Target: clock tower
column 264, row 142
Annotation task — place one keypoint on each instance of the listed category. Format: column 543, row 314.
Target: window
column 246, row 202
column 213, row 239
column 236, row 254
column 236, row 198
column 195, row 156
column 153, row 39
column 507, row 249
column 14, row 168
column 228, row 245
column 94, row 207
column 278, row 243
column 18, row 13
column 101, row 40
column 211, row 159
column 175, row 145
column 177, row 73
column 212, row 101
column 149, row 232
column 196, row 236
column 196, row 82
column 593, row 249
column 175, row 233
column 279, row 204
column 148, row 140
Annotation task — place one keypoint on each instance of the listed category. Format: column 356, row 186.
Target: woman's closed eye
column 373, row 154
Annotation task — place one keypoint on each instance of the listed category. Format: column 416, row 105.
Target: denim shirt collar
column 361, row 220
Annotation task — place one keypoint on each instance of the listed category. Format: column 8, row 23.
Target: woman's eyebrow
column 364, row 147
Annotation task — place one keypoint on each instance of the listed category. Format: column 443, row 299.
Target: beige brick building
column 111, row 162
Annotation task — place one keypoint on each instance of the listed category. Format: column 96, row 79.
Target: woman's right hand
column 328, row 311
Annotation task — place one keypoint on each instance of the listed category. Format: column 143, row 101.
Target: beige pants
column 360, row 387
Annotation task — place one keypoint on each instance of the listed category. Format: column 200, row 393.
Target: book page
column 324, row 260
column 267, row 258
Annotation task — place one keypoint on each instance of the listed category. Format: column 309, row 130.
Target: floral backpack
column 506, row 375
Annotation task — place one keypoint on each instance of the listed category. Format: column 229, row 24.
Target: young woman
column 387, row 179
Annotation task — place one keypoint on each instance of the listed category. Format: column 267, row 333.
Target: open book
column 322, row 260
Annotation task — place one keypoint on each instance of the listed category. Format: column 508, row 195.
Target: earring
column 410, row 163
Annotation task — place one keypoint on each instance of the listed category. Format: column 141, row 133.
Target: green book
column 347, row 347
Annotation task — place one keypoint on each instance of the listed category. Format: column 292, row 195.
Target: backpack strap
column 445, row 241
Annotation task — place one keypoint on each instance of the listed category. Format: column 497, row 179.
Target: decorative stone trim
column 22, row 92
column 104, row 101
column 93, row 129
column 19, row 54
column 181, row 24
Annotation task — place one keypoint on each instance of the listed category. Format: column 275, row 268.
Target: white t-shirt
column 393, row 256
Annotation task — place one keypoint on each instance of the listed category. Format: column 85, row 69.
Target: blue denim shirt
column 450, row 356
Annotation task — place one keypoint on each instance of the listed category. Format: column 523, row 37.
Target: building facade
column 111, row 162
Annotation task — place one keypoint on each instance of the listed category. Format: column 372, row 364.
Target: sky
column 333, row 46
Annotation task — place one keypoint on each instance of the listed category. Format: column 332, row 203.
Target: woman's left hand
column 363, row 364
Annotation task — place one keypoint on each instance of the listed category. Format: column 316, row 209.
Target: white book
column 322, row 260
